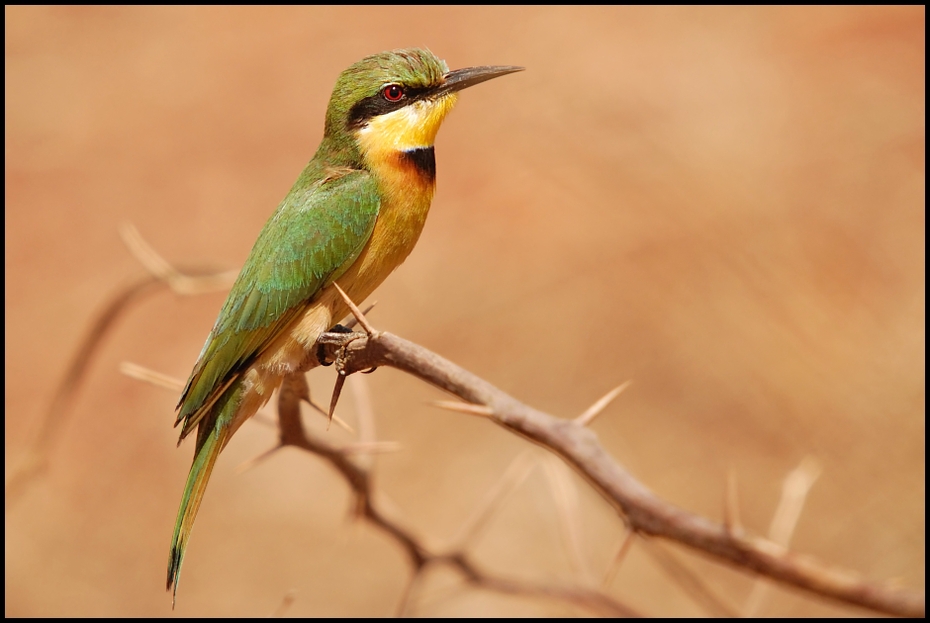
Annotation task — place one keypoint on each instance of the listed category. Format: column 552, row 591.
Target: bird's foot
column 339, row 336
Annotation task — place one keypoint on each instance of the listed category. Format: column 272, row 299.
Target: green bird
column 354, row 214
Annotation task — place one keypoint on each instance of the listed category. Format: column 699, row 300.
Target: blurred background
column 725, row 206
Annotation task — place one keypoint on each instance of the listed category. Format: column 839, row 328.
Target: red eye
column 392, row 92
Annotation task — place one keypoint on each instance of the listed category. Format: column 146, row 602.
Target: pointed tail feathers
column 209, row 446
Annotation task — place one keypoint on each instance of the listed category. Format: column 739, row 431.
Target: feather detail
column 216, row 434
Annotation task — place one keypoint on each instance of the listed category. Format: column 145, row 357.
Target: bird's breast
column 406, row 180
column 406, row 191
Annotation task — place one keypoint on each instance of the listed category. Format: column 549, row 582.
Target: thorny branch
column 292, row 433
column 644, row 514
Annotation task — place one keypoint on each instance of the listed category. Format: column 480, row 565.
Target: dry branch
column 645, row 513
column 35, row 460
column 292, row 433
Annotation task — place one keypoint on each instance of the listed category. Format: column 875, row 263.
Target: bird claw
column 338, row 335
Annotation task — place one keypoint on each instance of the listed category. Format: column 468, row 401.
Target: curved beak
column 470, row 76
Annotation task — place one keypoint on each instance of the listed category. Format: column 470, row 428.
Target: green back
column 311, row 239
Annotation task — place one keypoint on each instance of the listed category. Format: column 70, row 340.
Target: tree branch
column 644, row 512
column 292, row 433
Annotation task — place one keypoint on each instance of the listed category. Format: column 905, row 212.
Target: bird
column 353, row 216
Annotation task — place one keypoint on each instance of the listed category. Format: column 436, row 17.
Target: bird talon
column 321, row 355
column 370, row 370
column 338, row 335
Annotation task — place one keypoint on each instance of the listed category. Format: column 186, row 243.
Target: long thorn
column 731, row 506
column 141, row 373
column 337, row 390
column 513, row 477
column 371, row 447
column 249, row 464
column 343, row 424
column 618, row 558
column 350, row 321
column 463, row 407
column 688, row 580
column 303, row 393
column 332, row 416
column 794, row 492
column 317, row 407
column 407, row 596
column 594, row 410
column 565, row 496
column 355, row 310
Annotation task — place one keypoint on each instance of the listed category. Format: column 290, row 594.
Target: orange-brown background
column 724, row 205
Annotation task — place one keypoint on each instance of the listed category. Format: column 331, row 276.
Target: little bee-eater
column 352, row 217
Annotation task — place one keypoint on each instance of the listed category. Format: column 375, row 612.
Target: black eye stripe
column 376, row 105
column 417, row 92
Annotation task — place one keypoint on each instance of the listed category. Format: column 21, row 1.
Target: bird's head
column 397, row 100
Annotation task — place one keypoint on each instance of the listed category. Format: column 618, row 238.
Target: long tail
column 212, row 436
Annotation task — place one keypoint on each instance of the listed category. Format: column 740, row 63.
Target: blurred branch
column 35, row 460
column 162, row 276
column 159, row 267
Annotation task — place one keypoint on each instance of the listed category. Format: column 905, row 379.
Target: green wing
column 313, row 237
